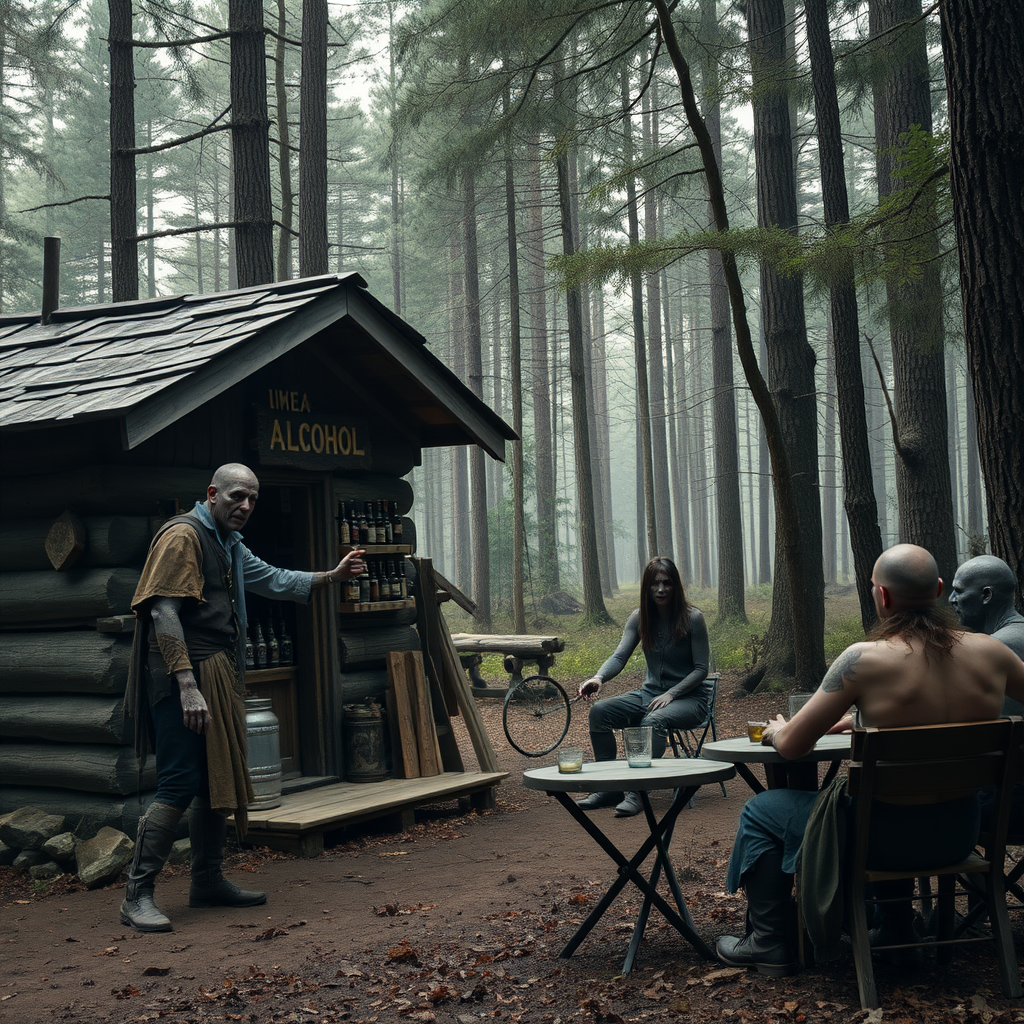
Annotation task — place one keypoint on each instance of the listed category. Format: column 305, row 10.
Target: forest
column 746, row 278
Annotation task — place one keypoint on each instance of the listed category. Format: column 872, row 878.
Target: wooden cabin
column 112, row 418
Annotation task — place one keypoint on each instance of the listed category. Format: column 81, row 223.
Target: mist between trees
column 589, row 211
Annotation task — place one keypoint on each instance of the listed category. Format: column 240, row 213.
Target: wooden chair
column 687, row 740
column 935, row 762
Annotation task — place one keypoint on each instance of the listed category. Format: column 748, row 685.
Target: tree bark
column 313, row 141
column 915, row 320
column 643, row 401
column 250, row 143
column 284, row 149
column 858, row 487
column 124, row 246
column 983, row 51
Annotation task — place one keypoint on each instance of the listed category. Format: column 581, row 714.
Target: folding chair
column 915, row 765
column 687, row 739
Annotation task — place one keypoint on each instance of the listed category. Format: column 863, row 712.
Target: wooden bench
column 517, row 651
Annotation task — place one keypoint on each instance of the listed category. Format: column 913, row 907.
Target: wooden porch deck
column 299, row 823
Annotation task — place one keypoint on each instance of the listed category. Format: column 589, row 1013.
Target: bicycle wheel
column 535, row 715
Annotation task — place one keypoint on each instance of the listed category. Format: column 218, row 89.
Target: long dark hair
column 933, row 625
column 678, row 611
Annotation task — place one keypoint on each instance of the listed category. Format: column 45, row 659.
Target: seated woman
column 674, row 640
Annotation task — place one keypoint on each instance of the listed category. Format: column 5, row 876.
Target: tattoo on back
column 842, row 669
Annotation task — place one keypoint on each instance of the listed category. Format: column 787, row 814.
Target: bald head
column 982, row 593
column 907, row 577
column 231, row 497
column 231, row 473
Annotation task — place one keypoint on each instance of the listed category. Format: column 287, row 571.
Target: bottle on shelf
column 386, row 519
column 396, row 525
column 380, row 533
column 393, row 586
column 344, row 527
column 285, row 645
column 403, row 581
column 364, row 588
column 374, row 581
column 351, row 590
column 261, row 647
column 250, row 654
column 273, row 647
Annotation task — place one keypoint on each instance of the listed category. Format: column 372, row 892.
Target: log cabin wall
column 62, row 673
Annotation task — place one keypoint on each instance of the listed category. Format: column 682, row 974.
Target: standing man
column 915, row 669
column 186, row 692
column 982, row 597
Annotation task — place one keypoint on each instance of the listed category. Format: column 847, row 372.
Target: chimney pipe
column 51, row 277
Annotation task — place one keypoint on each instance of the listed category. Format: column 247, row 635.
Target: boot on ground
column 207, row 833
column 630, row 805
column 158, row 829
column 598, row 800
column 767, row 944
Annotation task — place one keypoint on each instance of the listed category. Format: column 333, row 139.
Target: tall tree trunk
column 764, row 485
column 700, row 489
column 544, row 465
column 643, row 402
column 675, row 389
column 475, row 379
column 284, row 147
column 659, row 451
column 395, row 161
column 150, row 218
column 829, row 532
column 915, row 319
column 858, row 488
column 983, row 50
column 975, row 520
column 593, row 602
column 462, row 550
column 250, row 141
column 515, row 358
column 604, row 482
column 731, row 603
column 124, row 230
column 313, row 141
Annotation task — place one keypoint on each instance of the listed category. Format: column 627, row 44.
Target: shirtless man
column 915, row 669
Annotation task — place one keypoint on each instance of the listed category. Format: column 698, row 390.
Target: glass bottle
column 380, row 533
column 250, row 655
column 389, row 537
column 285, row 644
column 364, row 528
column 344, row 527
column 273, row 647
column 396, row 525
column 261, row 647
column 364, row 588
column 403, row 587
column 393, row 586
column 374, row 582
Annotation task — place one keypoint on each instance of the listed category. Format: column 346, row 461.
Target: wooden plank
column 116, row 624
column 345, row 801
column 429, row 621
column 426, row 736
column 477, row 733
column 465, row 602
column 523, row 646
column 406, row 732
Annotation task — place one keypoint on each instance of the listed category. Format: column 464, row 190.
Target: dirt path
column 458, row 920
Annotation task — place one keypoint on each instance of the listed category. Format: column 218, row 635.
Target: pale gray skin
column 982, row 597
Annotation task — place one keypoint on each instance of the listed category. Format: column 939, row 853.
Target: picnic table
column 517, row 651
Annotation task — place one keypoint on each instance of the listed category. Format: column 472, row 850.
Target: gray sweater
column 683, row 665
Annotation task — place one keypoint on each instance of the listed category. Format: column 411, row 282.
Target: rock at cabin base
column 181, row 852
column 61, row 847
column 28, row 828
column 7, row 854
column 48, row 869
column 28, row 859
column 102, row 858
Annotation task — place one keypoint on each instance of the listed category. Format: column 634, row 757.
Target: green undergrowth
column 734, row 643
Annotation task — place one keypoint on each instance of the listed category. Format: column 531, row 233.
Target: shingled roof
column 151, row 362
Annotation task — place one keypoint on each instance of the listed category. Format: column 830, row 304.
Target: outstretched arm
column 170, row 637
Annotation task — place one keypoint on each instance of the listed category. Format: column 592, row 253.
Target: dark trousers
column 181, row 773
column 628, row 709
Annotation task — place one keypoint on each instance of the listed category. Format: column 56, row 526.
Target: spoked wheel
column 536, row 715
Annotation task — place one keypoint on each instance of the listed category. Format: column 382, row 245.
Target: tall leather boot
column 767, row 944
column 207, row 831
column 157, row 830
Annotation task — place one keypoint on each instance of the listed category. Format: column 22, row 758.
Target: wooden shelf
column 270, row 675
column 350, row 607
column 376, row 549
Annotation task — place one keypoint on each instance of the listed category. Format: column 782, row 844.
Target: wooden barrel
column 263, row 738
column 365, row 759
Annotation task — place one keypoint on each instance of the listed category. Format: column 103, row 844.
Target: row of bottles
column 267, row 648
column 369, row 527
column 382, row 581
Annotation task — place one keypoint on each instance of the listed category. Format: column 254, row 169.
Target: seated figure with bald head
column 915, row 668
column 982, row 597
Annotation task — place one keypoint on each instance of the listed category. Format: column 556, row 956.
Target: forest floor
column 460, row 920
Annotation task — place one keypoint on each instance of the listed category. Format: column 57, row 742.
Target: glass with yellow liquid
column 755, row 730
